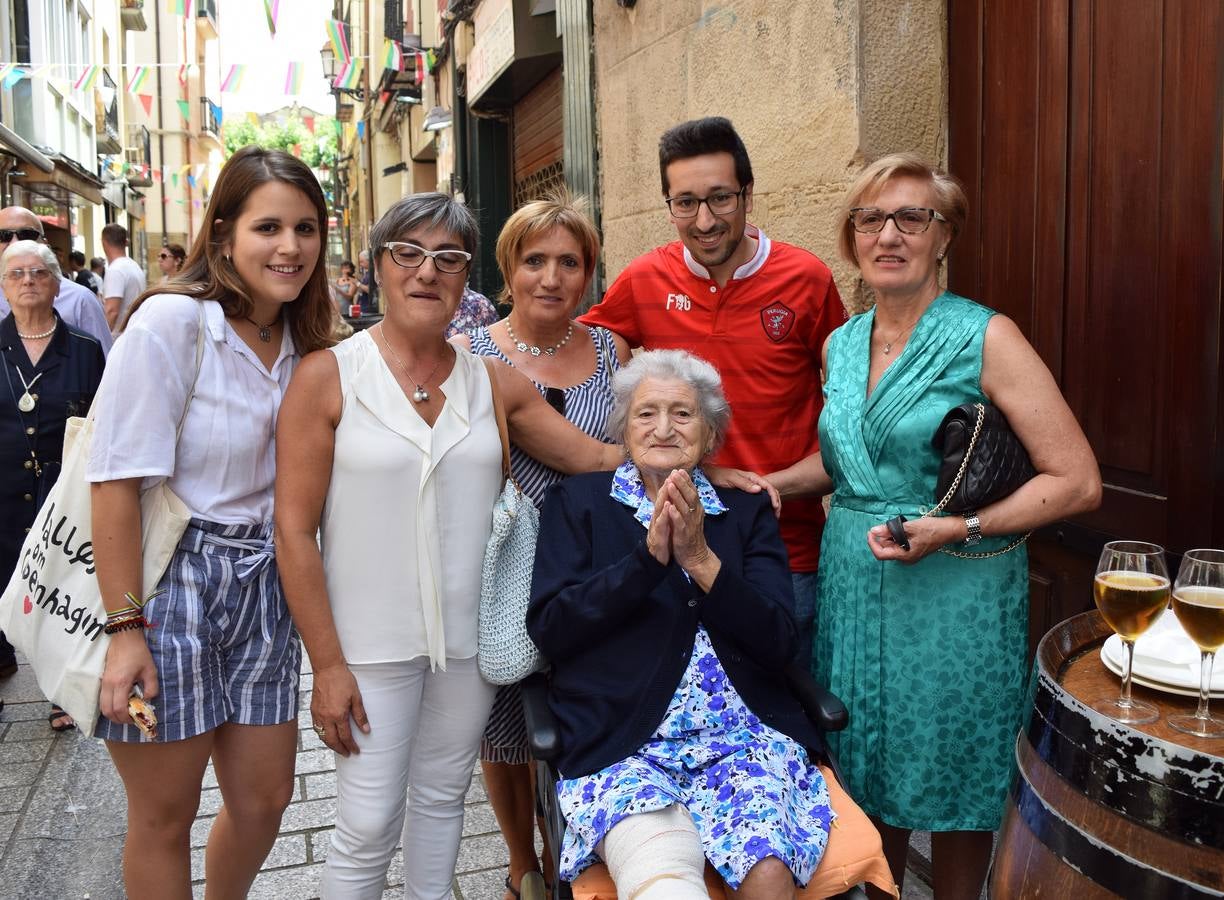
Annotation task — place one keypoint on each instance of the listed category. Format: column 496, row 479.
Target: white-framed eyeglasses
column 410, row 256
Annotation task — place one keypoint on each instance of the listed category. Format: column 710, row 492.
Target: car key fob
column 896, row 527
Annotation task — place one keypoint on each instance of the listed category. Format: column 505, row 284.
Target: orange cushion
column 854, row 855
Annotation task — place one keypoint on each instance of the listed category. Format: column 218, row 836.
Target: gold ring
column 320, row 730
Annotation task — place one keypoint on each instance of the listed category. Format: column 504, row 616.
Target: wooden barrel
column 1100, row 809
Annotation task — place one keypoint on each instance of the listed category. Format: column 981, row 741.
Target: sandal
column 57, row 716
column 531, row 887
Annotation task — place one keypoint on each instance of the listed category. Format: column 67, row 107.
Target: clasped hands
column 677, row 530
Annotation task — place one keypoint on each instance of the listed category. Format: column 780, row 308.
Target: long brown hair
column 208, row 275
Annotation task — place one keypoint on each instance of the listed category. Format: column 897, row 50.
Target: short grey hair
column 42, row 251
column 428, row 211
column 670, row 365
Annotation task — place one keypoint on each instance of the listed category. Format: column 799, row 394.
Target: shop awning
column 67, row 182
column 23, row 150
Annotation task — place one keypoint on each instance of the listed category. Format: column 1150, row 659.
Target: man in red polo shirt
column 758, row 309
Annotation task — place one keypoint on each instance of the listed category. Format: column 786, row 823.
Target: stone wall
column 815, row 88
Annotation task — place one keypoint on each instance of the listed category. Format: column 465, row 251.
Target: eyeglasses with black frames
column 410, row 256
column 22, row 234
column 908, row 219
column 721, row 203
column 20, row 274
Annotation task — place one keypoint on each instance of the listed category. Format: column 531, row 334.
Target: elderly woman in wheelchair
column 664, row 605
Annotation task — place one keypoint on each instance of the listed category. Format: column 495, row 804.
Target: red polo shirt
column 764, row 332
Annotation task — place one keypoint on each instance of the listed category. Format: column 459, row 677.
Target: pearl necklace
column 524, row 347
column 38, row 337
column 420, row 395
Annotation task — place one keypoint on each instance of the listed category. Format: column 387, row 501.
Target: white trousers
column 425, row 730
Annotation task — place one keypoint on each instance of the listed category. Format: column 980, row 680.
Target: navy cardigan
column 618, row 626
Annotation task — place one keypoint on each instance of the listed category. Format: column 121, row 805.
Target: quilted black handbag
column 983, row 460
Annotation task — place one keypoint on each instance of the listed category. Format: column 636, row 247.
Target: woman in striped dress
column 547, row 253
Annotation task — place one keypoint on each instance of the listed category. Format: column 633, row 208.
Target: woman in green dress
column 927, row 649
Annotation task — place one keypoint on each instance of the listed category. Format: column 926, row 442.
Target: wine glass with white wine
column 1131, row 591
column 1198, row 603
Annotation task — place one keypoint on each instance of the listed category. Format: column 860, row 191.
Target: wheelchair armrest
column 823, row 707
column 543, row 738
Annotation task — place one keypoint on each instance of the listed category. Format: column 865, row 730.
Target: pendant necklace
column 32, row 462
column 896, row 337
column 524, row 347
column 265, row 331
column 27, row 401
column 420, row 395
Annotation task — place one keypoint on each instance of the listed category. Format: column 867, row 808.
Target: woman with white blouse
column 213, row 647
column 388, row 448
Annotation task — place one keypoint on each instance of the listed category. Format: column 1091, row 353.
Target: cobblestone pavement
column 62, row 815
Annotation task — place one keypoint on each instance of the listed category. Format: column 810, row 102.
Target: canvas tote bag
column 52, row 609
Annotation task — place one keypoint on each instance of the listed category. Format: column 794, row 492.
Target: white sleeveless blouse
column 408, row 511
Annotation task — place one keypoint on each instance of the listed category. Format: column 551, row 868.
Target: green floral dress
column 929, row 658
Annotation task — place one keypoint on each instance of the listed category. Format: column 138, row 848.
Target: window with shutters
column 393, row 20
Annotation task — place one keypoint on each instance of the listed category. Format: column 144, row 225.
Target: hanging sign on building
column 493, row 50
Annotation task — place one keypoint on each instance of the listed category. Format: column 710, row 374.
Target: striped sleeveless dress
column 587, row 406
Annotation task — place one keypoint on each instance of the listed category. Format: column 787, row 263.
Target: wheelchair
column 854, row 854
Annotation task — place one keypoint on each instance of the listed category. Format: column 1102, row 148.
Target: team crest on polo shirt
column 777, row 319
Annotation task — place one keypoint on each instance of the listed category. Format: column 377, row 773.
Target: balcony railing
column 209, row 123
column 107, row 125
column 138, row 154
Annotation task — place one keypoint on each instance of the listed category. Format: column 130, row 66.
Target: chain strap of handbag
column 938, row 507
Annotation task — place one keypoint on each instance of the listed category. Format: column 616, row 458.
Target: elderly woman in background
column 547, row 253
column 388, row 446
column 170, row 260
column 664, row 605
column 51, row 372
column 929, row 655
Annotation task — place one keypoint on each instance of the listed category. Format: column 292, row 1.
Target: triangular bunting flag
column 146, row 100
column 185, row 109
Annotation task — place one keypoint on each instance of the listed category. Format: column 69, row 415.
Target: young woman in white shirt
column 213, row 647
column 388, row 447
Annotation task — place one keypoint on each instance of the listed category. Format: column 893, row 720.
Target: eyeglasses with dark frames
column 410, row 256
column 720, row 203
column 908, row 219
column 22, row 234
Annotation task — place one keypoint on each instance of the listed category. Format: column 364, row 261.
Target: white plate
column 1165, row 659
column 1116, row 668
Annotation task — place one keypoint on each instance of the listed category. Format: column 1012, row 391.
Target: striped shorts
column 220, row 635
column 505, row 735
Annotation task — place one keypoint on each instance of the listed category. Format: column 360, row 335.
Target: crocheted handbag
column 506, row 652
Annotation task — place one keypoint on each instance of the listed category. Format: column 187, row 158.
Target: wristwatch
column 974, row 524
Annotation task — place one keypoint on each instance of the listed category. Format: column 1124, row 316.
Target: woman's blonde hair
column 537, row 217
column 950, row 200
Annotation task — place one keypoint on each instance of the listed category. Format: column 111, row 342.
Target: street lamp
column 331, row 69
column 437, row 118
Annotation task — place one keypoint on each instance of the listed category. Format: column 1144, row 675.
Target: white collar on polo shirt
column 749, row 268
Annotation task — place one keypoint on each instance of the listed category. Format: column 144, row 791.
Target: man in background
column 124, row 281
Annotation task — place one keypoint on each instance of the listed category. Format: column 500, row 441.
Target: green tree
column 318, row 149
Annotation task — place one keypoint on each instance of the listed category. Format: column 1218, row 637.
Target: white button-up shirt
column 223, row 466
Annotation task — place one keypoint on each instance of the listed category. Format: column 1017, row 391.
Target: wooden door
column 1089, row 135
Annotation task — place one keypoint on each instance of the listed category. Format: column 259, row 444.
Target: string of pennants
column 348, row 76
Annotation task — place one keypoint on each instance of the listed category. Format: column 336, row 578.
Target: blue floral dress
column 750, row 790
